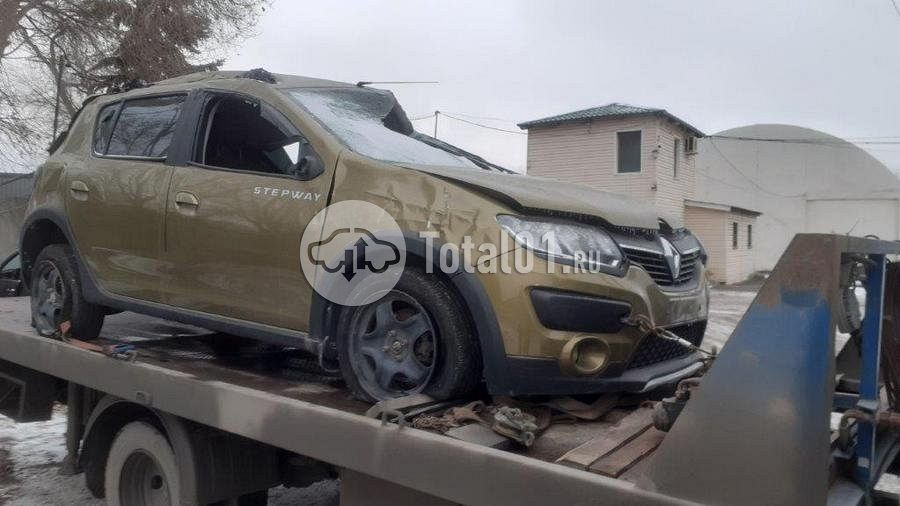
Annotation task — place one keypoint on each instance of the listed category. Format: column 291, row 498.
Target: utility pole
column 436, row 114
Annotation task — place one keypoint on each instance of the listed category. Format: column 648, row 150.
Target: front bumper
column 539, row 376
column 539, row 311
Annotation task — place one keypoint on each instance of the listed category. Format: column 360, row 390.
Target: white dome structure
column 801, row 180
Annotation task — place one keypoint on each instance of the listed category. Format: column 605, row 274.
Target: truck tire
column 141, row 468
column 260, row 498
column 56, row 295
column 417, row 338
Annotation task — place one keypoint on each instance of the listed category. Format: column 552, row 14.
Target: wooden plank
column 622, row 459
column 627, row 429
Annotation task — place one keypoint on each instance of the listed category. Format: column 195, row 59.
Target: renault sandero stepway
column 187, row 199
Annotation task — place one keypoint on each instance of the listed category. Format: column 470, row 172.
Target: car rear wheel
column 56, row 296
column 417, row 338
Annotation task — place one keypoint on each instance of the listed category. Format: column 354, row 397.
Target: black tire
column 260, row 498
column 455, row 369
column 141, row 468
column 56, row 270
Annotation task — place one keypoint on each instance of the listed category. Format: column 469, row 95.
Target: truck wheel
column 417, row 338
column 141, row 468
column 56, row 295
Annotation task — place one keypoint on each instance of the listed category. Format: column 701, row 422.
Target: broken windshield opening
column 372, row 123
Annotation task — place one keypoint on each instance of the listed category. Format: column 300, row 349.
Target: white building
column 649, row 154
column 801, row 180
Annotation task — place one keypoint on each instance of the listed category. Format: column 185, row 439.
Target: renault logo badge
column 673, row 257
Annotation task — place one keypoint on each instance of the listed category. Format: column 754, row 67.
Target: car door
column 237, row 211
column 116, row 195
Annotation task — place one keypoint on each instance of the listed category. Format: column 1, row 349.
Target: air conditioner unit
column 690, row 145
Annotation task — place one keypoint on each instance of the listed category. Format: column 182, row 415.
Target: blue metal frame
column 769, row 395
column 869, row 387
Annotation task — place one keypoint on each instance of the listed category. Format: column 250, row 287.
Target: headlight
column 567, row 243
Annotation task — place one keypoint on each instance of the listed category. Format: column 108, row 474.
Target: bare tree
column 54, row 53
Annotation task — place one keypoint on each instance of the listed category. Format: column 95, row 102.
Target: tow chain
column 643, row 324
column 453, row 417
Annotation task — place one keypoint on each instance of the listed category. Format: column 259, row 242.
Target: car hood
column 540, row 194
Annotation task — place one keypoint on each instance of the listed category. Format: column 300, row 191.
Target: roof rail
column 259, row 74
column 129, row 85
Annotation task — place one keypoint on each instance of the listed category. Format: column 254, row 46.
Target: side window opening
column 243, row 134
column 145, row 127
column 105, row 123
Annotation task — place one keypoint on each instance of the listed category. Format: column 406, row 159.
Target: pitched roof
column 613, row 110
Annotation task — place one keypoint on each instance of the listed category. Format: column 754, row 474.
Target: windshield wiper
column 453, row 150
column 397, row 121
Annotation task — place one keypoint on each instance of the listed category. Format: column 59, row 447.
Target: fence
column 15, row 190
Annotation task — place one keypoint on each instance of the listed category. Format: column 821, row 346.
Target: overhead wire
column 745, row 176
column 489, row 118
column 811, row 140
column 483, row 126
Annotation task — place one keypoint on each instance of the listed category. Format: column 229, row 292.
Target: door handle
column 79, row 190
column 185, row 199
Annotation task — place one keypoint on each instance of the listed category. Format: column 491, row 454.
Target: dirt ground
column 30, row 454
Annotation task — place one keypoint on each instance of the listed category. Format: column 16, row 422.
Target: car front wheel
column 417, row 338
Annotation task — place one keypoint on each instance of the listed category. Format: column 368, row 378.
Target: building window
column 749, row 236
column 629, row 159
column 675, row 157
column 734, row 235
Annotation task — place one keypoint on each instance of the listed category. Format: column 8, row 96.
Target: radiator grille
column 653, row 350
column 658, row 268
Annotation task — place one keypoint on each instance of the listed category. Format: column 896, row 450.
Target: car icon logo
column 356, row 257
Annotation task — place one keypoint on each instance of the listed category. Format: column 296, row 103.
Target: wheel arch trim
column 324, row 315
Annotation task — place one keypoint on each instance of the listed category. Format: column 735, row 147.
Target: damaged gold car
column 186, row 199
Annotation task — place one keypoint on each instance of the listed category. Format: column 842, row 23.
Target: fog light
column 584, row 356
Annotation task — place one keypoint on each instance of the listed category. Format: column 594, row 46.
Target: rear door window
column 145, row 127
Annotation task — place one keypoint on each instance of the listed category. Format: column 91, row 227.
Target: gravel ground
column 30, row 453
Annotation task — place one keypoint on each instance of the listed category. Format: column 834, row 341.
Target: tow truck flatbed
column 277, row 397
column 756, row 431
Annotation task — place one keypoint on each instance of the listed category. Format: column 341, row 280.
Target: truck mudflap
column 26, row 395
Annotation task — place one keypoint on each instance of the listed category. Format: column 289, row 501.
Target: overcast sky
column 831, row 65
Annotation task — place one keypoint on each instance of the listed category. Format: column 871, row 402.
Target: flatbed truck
column 182, row 422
